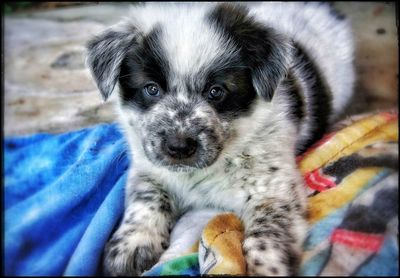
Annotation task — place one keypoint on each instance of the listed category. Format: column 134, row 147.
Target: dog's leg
column 144, row 232
column 274, row 232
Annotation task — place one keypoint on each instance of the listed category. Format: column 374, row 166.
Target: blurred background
column 48, row 89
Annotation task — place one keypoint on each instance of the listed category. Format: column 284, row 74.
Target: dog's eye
column 216, row 93
column 152, row 90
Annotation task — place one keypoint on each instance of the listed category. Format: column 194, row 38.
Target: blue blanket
column 63, row 195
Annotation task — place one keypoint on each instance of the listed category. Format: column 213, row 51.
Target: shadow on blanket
column 64, row 196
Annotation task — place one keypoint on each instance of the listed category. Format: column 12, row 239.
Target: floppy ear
column 105, row 53
column 265, row 51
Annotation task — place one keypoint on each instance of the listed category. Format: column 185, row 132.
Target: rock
column 47, row 86
column 376, row 55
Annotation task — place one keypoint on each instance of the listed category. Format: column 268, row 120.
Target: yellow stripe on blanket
column 385, row 133
column 325, row 202
column 379, row 127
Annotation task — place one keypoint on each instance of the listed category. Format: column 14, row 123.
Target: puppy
column 215, row 101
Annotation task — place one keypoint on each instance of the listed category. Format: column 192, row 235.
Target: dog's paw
column 266, row 257
column 130, row 254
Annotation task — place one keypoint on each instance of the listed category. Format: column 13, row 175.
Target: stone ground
column 48, row 89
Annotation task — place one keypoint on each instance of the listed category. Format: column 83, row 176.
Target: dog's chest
column 227, row 186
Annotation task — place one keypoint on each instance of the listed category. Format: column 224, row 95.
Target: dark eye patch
column 143, row 64
column 239, row 90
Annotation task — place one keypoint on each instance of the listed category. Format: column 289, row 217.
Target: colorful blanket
column 63, row 197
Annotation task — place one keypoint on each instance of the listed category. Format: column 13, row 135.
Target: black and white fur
column 284, row 70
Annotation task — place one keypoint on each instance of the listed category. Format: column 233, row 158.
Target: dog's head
column 185, row 74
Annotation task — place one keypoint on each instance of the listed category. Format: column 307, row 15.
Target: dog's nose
column 178, row 146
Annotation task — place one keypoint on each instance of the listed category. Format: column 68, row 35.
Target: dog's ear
column 105, row 53
column 265, row 52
